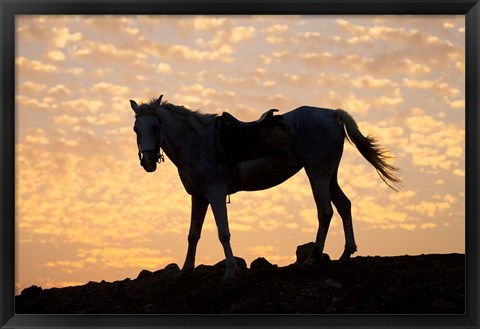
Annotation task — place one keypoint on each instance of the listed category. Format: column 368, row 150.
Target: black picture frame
column 10, row 8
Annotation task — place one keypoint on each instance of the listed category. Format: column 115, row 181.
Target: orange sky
column 86, row 210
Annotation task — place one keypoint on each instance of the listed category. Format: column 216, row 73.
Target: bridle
column 158, row 152
column 159, row 157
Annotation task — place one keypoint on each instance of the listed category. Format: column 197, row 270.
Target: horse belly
column 263, row 173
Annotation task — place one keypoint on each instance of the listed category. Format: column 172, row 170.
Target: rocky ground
column 424, row 284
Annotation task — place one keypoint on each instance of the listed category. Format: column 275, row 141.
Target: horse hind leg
column 344, row 208
column 321, row 194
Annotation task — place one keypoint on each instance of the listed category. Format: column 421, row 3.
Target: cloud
column 368, row 81
column 415, row 68
column 114, row 25
column 274, row 34
column 82, row 105
column 209, row 23
column 434, row 143
column 433, row 208
column 363, row 176
column 241, row 33
column 77, row 71
column 62, row 36
column 110, row 88
column 276, row 40
column 106, row 52
column 368, row 210
column 402, row 196
column 73, row 208
column 56, row 55
column 403, row 39
column 138, row 258
column 67, row 266
column 66, row 119
column 188, row 26
column 59, row 90
column 28, row 67
column 459, row 172
column 276, row 28
column 37, row 136
column 29, row 87
column 231, row 36
column 271, row 253
column 399, row 57
column 408, row 227
column 458, row 104
column 436, row 86
column 222, row 53
column 199, row 96
column 262, row 249
column 163, row 68
column 270, row 224
column 384, row 101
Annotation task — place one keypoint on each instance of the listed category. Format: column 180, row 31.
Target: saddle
column 231, row 120
column 239, row 141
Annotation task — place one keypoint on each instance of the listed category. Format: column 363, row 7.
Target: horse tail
column 369, row 148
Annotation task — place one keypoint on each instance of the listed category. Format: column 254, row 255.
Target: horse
column 313, row 139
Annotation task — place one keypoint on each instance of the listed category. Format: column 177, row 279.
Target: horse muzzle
column 148, row 160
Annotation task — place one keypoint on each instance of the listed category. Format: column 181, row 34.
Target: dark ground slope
column 425, row 284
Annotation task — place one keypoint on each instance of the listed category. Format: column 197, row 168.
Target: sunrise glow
column 87, row 211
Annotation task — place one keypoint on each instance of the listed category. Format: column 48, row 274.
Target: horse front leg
column 219, row 208
column 199, row 209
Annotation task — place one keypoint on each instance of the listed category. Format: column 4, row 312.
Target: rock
column 333, row 283
column 261, row 263
column 305, row 250
column 170, row 271
column 32, row 292
column 143, row 274
column 149, row 308
column 242, row 264
column 330, row 309
column 202, row 272
column 438, row 303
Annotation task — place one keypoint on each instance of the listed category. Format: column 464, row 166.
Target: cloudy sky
column 86, row 210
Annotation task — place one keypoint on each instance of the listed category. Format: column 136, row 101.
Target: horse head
column 147, row 128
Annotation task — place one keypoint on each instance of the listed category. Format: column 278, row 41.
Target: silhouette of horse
column 219, row 155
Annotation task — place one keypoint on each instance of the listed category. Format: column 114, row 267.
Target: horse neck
column 174, row 124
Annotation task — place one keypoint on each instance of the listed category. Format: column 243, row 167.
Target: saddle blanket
column 236, row 143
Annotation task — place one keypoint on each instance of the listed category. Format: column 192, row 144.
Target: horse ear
column 159, row 101
column 134, row 106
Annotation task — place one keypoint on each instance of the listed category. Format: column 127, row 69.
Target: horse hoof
column 346, row 255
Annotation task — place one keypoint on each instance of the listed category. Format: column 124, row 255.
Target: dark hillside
column 425, row 284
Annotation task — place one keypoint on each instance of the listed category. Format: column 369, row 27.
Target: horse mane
column 204, row 118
